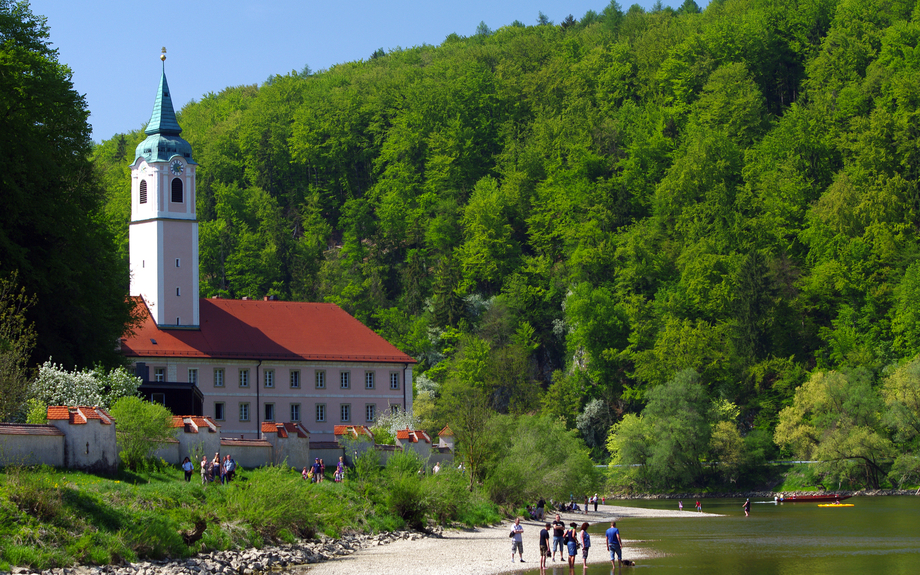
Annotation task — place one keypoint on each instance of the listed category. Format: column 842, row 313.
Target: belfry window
column 143, row 191
column 177, row 190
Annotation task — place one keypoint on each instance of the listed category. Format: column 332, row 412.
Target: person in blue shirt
column 614, row 544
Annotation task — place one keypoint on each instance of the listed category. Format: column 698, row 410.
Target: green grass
column 53, row 518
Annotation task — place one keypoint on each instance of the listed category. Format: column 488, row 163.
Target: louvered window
column 143, row 191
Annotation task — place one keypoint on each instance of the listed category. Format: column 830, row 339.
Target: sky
column 113, row 47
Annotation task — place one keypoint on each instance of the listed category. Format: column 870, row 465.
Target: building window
column 219, row 411
column 177, row 263
column 193, row 376
column 159, row 374
column 370, row 411
column 269, row 412
column 345, row 412
column 368, row 380
column 143, row 191
column 394, row 380
column 320, row 380
column 269, row 378
column 345, row 379
column 295, row 379
column 218, row 377
column 177, row 190
column 295, row 412
column 394, row 409
column 244, row 412
column 158, row 398
column 320, row 412
column 244, row 378
column 177, row 293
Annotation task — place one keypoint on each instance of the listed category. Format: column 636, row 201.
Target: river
column 878, row 535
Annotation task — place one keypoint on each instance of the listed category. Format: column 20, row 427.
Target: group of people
column 217, row 469
column 537, row 512
column 567, row 541
column 699, row 506
column 316, row 473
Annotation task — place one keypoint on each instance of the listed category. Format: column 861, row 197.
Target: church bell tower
column 163, row 234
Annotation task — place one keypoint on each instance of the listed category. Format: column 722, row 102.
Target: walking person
column 205, row 473
column 585, row 539
column 699, row 506
column 558, row 535
column 614, row 544
column 517, row 539
column 544, row 545
column 188, row 467
column 747, row 508
column 680, row 505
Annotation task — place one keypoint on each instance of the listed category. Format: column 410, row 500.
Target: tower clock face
column 176, row 167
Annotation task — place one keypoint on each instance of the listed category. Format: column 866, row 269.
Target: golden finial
column 163, row 54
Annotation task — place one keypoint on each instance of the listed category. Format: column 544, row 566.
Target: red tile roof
column 446, row 432
column 58, row 412
column 79, row 415
column 256, row 329
column 353, row 430
column 412, row 436
column 27, row 429
column 285, row 429
column 194, row 423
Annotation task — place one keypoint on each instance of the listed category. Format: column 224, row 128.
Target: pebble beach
column 487, row 551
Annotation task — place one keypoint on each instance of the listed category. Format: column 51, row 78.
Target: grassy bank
column 51, row 518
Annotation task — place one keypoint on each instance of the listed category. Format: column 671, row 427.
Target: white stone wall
column 31, row 450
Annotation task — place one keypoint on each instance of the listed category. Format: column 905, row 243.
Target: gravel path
column 487, row 551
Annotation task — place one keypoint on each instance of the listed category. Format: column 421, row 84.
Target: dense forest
column 569, row 218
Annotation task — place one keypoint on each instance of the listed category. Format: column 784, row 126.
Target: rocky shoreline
column 288, row 558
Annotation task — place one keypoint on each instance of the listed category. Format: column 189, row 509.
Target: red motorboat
column 814, row 498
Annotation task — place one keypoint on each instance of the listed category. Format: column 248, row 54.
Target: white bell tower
column 163, row 234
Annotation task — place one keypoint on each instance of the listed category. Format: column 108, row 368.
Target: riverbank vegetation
column 52, row 518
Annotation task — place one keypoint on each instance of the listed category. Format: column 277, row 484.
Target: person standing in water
column 614, row 545
column 747, row 508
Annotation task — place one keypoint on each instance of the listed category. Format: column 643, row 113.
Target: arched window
column 177, row 190
column 143, row 191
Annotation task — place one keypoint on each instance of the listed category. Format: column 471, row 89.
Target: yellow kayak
column 835, row 505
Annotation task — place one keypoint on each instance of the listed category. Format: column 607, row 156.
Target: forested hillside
column 565, row 218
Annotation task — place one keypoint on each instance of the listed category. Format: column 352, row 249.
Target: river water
column 878, row 535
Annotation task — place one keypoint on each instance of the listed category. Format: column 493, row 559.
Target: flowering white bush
column 393, row 421
column 57, row 386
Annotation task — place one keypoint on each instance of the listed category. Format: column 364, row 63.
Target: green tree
column 141, row 428
column 52, row 228
column 836, row 417
column 540, row 458
column 17, row 337
column 671, row 436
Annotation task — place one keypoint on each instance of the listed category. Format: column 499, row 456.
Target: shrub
column 141, row 426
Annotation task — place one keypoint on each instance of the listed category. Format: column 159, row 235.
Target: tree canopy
column 54, row 232
column 560, row 215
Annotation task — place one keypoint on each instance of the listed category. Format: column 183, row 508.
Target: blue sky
column 113, row 47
